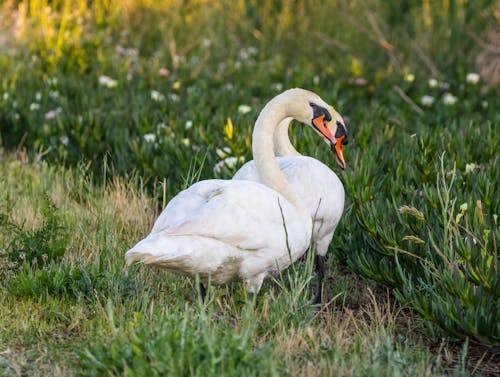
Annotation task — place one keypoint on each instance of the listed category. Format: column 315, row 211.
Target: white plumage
column 238, row 230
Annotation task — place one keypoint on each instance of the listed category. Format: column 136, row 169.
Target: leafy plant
column 442, row 260
column 40, row 246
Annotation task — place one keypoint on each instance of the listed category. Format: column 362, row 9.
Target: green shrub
column 439, row 254
column 63, row 281
column 37, row 247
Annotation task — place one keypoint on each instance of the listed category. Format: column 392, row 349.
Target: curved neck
column 282, row 144
column 263, row 151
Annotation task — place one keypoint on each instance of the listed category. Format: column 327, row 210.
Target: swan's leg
column 320, row 274
column 203, row 291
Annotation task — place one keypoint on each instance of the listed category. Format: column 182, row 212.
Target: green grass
column 87, row 163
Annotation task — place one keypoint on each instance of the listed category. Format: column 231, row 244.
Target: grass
column 108, row 109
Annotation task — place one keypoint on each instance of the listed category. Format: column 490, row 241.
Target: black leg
column 203, row 291
column 320, row 274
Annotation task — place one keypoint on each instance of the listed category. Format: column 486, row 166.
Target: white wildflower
column 469, row 168
column 244, row 109
column 449, row 99
column 409, row 77
column 231, row 162
column 34, row 106
column 53, row 113
column 205, row 42
column 54, row 94
column 186, row 141
column 427, row 100
column 64, row 140
column 150, row 137
column 188, row 125
column 161, row 126
column 433, row 83
column 316, row 80
column 174, row 97
column 224, row 152
column 472, row 78
column 277, row 86
column 107, row 81
column 157, row 96
column 38, row 96
column 218, row 166
column 6, row 96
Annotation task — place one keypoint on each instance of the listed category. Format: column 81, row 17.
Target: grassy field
column 110, row 108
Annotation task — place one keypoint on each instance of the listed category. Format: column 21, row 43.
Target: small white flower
column 205, row 42
column 433, row 83
column 469, row 168
column 427, row 100
column 449, row 99
column 53, row 113
column 107, row 81
column 218, row 166
column 14, row 104
column 444, row 85
column 161, row 126
column 231, row 162
column 157, row 96
column 52, row 81
column 244, row 109
column 34, row 106
column 150, row 137
column 54, row 94
column 186, row 141
column 277, row 86
column 174, row 97
column 316, row 80
column 38, row 96
column 409, row 77
column 64, row 140
column 229, row 86
column 224, row 152
column 6, row 96
column 472, row 78
column 188, row 125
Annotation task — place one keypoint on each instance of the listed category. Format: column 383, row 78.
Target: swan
column 227, row 230
column 321, row 189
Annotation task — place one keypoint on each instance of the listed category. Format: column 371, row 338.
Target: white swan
column 319, row 187
column 226, row 230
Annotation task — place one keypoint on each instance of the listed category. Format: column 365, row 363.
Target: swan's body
column 238, row 230
column 215, row 228
column 319, row 187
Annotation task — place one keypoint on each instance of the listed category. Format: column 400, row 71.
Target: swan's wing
column 246, row 215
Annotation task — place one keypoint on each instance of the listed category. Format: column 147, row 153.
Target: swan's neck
column 282, row 144
column 263, row 152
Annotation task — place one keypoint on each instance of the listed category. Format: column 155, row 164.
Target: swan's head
column 329, row 124
column 308, row 108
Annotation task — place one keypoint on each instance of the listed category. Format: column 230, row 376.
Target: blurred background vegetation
column 142, row 97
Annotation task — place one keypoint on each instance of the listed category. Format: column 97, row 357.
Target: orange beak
column 323, row 130
column 339, row 156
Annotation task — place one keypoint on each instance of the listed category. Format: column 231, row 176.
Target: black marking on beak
column 341, row 131
column 319, row 110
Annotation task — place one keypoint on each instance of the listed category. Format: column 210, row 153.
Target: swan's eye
column 319, row 110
